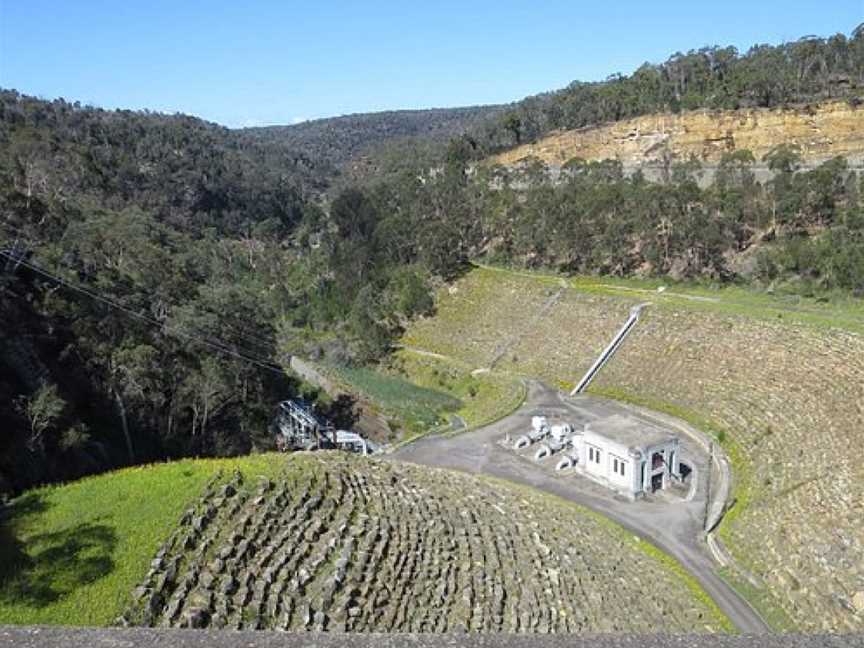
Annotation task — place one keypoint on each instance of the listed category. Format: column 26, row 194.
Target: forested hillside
column 157, row 271
column 808, row 69
column 340, row 141
column 148, row 262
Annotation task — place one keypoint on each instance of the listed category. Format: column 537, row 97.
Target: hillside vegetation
column 417, row 393
column 159, row 271
column 779, row 382
column 717, row 78
column 340, row 141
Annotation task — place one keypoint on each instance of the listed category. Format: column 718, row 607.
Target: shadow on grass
column 25, row 505
column 48, row 566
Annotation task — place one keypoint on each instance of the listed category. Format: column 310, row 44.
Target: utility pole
column 708, row 484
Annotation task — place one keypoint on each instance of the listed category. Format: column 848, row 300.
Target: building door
column 656, row 482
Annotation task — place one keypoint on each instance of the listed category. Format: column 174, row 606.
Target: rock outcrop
column 821, row 131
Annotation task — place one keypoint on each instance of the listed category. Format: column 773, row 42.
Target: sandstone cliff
column 822, row 131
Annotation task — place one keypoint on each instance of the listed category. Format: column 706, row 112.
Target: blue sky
column 263, row 62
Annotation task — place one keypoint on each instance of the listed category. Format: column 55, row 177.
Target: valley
column 324, row 377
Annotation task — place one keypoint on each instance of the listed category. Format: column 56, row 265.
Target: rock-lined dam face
column 820, row 131
column 360, row 545
column 59, row 637
column 789, row 394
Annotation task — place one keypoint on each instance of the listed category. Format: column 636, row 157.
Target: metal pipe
column 610, row 350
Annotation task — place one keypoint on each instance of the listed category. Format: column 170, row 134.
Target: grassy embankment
column 71, row 554
column 74, row 552
column 756, row 370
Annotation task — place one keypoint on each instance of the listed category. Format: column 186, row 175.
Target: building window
column 597, row 456
column 615, row 465
column 590, row 454
column 621, row 465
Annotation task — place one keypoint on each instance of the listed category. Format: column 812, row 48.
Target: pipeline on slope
column 610, row 350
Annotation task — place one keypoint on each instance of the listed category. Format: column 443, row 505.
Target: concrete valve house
column 627, row 455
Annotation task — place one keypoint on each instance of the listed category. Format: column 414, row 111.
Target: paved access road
column 673, row 526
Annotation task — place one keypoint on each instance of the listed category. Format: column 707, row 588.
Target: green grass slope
column 780, row 381
column 407, row 539
column 71, row 554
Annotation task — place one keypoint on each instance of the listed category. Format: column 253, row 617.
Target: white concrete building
column 628, row 455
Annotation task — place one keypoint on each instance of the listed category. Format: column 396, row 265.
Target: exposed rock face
column 822, row 131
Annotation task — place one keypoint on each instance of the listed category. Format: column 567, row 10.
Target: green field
column 484, row 396
column 828, row 310
column 421, row 392
column 412, row 407
column 71, row 554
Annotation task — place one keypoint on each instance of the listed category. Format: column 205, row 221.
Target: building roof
column 629, row 431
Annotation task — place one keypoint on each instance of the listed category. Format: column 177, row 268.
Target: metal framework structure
column 301, row 429
column 14, row 255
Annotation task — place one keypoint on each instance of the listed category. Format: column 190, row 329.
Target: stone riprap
column 65, row 637
column 360, row 545
column 790, row 395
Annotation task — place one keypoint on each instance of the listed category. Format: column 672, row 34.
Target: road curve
column 674, row 529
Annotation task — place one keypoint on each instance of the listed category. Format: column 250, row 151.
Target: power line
column 261, row 343
column 219, row 347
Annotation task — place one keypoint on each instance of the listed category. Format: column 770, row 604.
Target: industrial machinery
column 567, row 461
column 353, row 442
column 539, row 430
column 298, row 427
column 559, row 438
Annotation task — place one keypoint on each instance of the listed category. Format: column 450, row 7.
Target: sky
column 258, row 62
